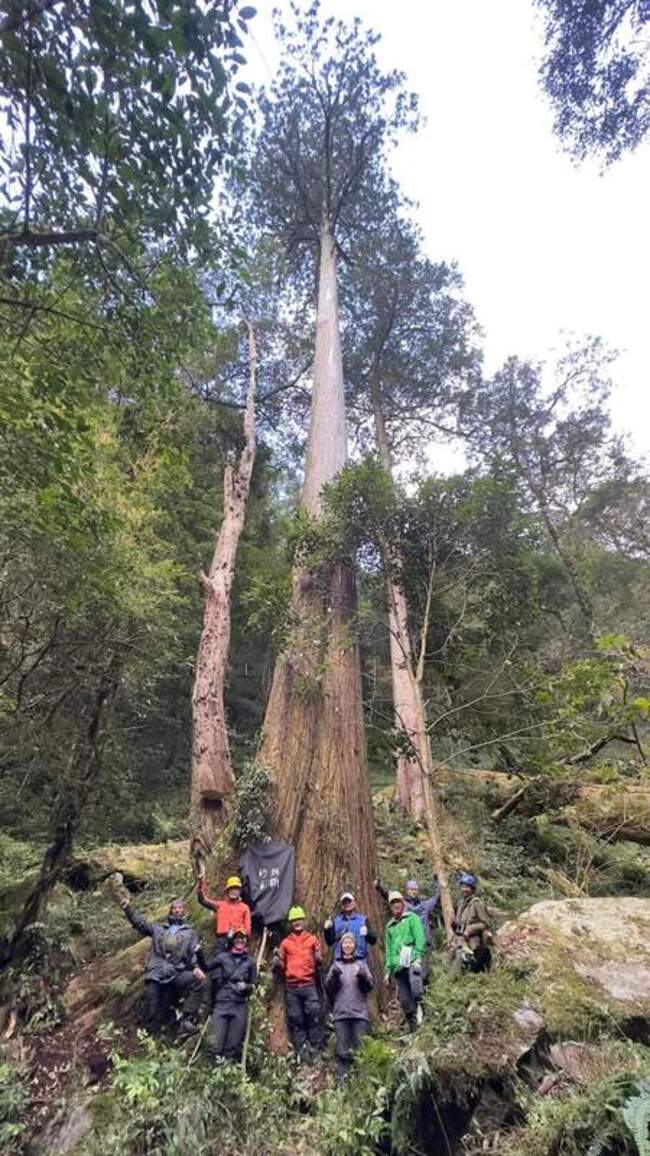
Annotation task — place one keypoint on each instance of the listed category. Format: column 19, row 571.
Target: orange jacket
column 229, row 914
column 299, row 958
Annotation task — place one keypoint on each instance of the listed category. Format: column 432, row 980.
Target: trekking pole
column 198, row 1042
column 260, row 956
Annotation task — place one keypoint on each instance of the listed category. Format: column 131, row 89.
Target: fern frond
column 636, row 1114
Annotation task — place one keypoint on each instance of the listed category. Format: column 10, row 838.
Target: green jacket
column 407, row 931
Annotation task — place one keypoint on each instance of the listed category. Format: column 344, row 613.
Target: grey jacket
column 174, row 947
column 347, row 985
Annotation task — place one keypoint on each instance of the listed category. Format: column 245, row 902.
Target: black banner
column 268, row 870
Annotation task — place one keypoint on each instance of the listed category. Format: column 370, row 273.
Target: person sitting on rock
column 174, row 967
column 349, row 921
column 229, row 913
column 404, row 948
column 348, row 984
column 234, row 976
column 471, row 927
column 297, row 962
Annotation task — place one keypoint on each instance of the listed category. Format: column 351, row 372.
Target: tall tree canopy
column 119, row 116
column 596, row 74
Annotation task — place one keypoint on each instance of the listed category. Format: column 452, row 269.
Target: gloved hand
column 363, row 931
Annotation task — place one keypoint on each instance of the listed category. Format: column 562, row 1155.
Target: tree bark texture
column 212, row 773
column 313, row 738
column 409, row 775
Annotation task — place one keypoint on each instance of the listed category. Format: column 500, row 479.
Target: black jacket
column 227, row 969
column 171, row 951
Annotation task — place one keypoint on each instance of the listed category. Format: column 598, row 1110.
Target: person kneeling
column 234, row 976
column 172, row 969
column 348, row 984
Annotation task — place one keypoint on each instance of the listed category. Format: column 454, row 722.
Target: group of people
column 177, row 970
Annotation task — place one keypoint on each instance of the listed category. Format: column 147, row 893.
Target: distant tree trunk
column 410, row 780
column 415, row 771
column 83, row 770
column 313, row 738
column 212, row 773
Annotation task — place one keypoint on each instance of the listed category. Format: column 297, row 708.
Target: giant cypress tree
column 327, row 122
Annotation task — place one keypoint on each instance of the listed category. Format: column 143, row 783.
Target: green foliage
column 252, row 805
column 159, row 1103
column 131, row 116
column 13, row 1101
column 636, row 1114
column 354, row 1120
column 595, row 75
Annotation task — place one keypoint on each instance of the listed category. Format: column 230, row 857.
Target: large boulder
column 589, row 961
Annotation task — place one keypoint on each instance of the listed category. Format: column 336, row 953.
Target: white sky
column 545, row 247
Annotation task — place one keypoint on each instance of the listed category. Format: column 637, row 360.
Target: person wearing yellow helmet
column 297, row 963
column 230, row 912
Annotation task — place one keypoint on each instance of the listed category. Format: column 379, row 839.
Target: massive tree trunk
column 212, row 773
column 313, row 738
column 410, row 784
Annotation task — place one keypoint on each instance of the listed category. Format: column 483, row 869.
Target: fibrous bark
column 212, row 773
column 409, row 775
column 313, row 739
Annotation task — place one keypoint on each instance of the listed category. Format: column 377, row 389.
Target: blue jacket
column 352, row 925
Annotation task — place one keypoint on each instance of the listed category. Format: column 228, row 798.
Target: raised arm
column 141, row 925
column 419, row 939
column 205, row 900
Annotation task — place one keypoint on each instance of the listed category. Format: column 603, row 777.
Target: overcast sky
column 545, row 247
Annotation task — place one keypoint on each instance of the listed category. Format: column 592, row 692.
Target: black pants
column 227, row 1030
column 305, row 1017
column 162, row 997
column 408, row 1002
column 349, row 1034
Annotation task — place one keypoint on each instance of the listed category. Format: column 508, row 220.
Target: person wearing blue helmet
column 471, row 927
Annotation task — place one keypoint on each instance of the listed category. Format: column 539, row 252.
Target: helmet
column 467, row 880
column 296, row 913
column 346, row 896
column 411, row 885
column 393, row 895
column 233, row 881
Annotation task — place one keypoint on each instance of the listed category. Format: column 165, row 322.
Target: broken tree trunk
column 212, row 773
column 313, row 739
column 409, row 774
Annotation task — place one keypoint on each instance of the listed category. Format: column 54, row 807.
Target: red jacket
column 299, row 958
column 230, row 915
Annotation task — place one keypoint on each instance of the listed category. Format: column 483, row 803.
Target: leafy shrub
column 13, row 1100
column 252, row 805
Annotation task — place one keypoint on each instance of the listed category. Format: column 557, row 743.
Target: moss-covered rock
column 589, row 961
